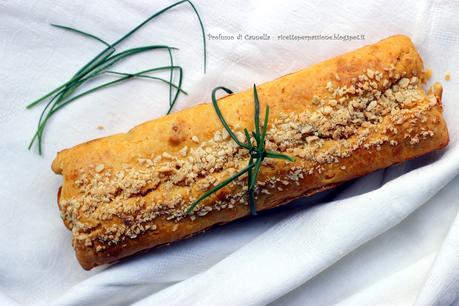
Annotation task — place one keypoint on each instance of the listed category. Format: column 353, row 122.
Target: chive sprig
column 255, row 145
column 100, row 65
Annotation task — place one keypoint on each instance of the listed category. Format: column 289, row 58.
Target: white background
column 391, row 238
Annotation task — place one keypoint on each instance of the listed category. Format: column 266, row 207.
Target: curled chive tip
column 256, row 149
column 100, row 65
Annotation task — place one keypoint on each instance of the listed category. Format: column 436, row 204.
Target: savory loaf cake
column 339, row 119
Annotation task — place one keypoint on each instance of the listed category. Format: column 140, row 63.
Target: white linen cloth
column 390, row 238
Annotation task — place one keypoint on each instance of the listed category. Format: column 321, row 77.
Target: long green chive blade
column 56, row 91
column 33, row 103
column 178, row 87
column 252, row 204
column 110, row 61
column 102, row 86
column 146, row 21
column 143, row 76
column 161, row 12
column 76, row 79
column 99, row 87
column 111, row 47
column 257, row 153
column 218, row 187
column 249, row 174
column 265, row 128
column 257, row 139
column 129, row 52
column 250, row 191
column 203, row 35
column 39, row 122
column 86, row 34
column 256, row 170
column 102, row 56
column 43, row 119
column 257, row 112
column 95, row 62
column 178, row 91
column 171, row 75
column 222, row 119
column 85, row 69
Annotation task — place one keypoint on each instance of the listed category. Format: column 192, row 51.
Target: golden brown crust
column 341, row 119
